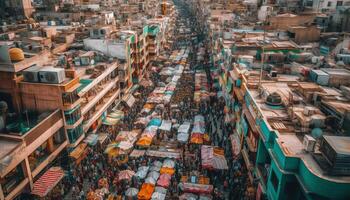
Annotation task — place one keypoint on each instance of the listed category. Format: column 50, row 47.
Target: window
column 74, row 134
column 329, row 4
column 339, row 3
column 12, row 179
column 274, row 180
column 72, row 115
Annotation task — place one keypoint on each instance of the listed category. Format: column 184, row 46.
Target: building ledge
column 100, row 95
column 111, row 99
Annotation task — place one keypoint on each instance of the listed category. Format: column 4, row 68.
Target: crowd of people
column 228, row 184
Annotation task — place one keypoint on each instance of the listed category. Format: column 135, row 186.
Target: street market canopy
column 137, row 153
column 131, row 192
column 113, row 117
column 146, row 191
column 78, row 151
column 197, row 188
column 166, row 125
column 47, row 181
column 213, row 158
column 91, row 139
column 126, row 174
column 129, row 100
column 184, row 128
column 182, row 137
column 163, row 154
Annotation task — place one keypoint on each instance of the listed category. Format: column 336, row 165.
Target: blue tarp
column 155, row 122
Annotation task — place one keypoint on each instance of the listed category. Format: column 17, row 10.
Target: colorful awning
column 91, row 139
column 78, row 151
column 47, row 181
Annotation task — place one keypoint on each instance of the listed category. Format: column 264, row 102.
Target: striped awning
column 47, row 181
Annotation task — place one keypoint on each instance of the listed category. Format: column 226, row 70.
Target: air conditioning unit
column 309, row 143
column 31, row 74
column 273, row 74
column 52, row 75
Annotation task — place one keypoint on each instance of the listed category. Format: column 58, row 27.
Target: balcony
column 14, row 181
column 99, row 109
column 50, row 123
column 97, row 80
column 75, row 135
column 92, row 100
column 47, row 151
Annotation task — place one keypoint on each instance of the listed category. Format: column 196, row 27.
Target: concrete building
column 267, row 107
column 22, row 8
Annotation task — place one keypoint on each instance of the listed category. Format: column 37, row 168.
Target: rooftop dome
column 274, row 99
column 16, row 54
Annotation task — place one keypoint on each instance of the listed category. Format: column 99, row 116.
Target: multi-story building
column 281, row 113
column 22, row 8
column 31, row 143
column 32, row 139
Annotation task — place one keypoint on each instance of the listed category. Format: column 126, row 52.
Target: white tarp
column 184, row 128
column 166, row 125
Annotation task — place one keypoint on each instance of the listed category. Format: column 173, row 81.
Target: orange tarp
column 166, row 170
column 219, row 151
column 144, row 141
column 146, row 191
column 148, row 106
column 203, row 180
column 197, row 139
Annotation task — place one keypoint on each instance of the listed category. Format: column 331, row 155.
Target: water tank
column 316, row 133
column 16, row 54
column 274, row 99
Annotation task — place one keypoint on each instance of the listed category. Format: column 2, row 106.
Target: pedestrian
column 82, row 195
column 74, row 191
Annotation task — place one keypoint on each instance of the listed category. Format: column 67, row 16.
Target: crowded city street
column 174, row 100
column 170, row 142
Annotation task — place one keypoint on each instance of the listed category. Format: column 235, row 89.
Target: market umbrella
column 131, row 192
column 155, row 168
column 93, row 196
column 142, row 172
column 169, row 163
column 158, row 196
column 154, row 175
column 164, row 180
column 126, row 174
column 161, row 190
column 150, row 180
column 157, row 163
column 113, row 149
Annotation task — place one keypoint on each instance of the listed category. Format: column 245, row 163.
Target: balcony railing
column 43, row 126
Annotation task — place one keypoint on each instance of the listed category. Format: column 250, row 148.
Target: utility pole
column 262, row 54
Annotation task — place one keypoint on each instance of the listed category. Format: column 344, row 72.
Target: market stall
column 183, row 132
column 213, row 158
column 163, row 154
column 197, row 188
column 199, row 135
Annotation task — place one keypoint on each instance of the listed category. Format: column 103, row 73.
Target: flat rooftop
column 288, row 136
